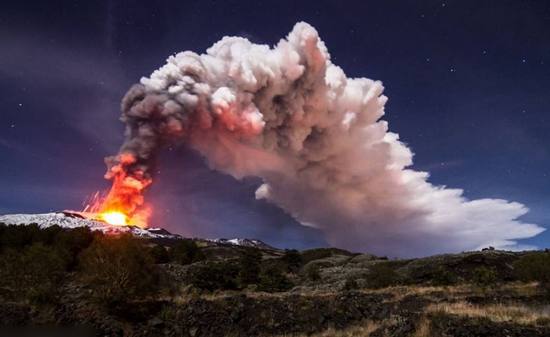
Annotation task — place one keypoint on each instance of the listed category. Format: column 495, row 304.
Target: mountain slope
column 70, row 219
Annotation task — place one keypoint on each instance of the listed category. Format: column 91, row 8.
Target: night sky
column 468, row 85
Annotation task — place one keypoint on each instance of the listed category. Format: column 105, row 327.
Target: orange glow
column 114, row 218
column 124, row 204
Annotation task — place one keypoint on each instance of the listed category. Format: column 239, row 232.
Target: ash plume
column 315, row 137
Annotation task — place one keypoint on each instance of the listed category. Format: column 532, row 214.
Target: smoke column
column 314, row 136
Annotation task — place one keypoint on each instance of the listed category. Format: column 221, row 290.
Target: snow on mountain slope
column 69, row 219
column 244, row 243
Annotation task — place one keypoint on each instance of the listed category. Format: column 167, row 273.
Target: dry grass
column 498, row 312
column 362, row 330
column 423, row 328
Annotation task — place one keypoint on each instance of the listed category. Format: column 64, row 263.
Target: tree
column 215, row 276
column 484, row 277
column 293, row 260
column 34, row 273
column 118, row 269
column 272, row 279
column 186, row 252
column 534, row 267
column 382, row 275
column 249, row 267
column 313, row 272
column 160, row 254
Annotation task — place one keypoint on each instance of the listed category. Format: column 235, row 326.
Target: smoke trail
column 315, row 137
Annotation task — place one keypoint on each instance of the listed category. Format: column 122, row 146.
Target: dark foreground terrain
column 125, row 286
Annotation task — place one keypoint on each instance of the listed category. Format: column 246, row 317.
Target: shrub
column 312, row 272
column 293, row 260
column 444, row 277
column 249, row 267
column 71, row 242
column 159, row 253
column 215, row 276
column 118, row 269
column 34, row 273
column 17, row 237
column 484, row 277
column 534, row 267
column 272, row 279
column 382, row 275
column 186, row 252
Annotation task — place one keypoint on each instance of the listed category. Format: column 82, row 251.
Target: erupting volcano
column 124, row 204
column 315, row 137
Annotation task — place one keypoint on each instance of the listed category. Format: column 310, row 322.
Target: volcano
column 71, row 219
column 74, row 219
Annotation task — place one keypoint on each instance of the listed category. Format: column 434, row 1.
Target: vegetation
column 273, row 279
column 118, row 269
column 186, row 252
column 484, row 277
column 534, row 267
column 249, row 267
column 382, row 275
column 444, row 277
column 293, row 260
column 160, row 254
column 215, row 276
column 122, row 282
column 33, row 272
column 312, row 271
column 321, row 253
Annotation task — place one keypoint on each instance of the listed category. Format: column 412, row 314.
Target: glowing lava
column 114, row 218
column 124, row 204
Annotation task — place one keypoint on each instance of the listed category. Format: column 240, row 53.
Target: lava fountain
column 124, row 205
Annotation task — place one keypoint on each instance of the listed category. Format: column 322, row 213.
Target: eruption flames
column 124, row 204
column 288, row 115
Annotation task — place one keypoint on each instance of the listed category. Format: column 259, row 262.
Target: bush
column 444, row 277
column 186, row 252
column 118, row 269
column 484, row 277
column 312, row 272
column 215, row 276
column 159, row 254
column 17, row 237
column 249, row 267
column 534, row 267
column 272, row 279
column 71, row 242
column 34, row 273
column 382, row 275
column 293, row 260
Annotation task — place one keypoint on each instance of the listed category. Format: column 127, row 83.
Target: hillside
column 128, row 285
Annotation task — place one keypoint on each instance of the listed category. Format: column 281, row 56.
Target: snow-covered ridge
column 68, row 219
column 243, row 242
column 71, row 219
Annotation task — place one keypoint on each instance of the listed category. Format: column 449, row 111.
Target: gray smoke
column 315, row 137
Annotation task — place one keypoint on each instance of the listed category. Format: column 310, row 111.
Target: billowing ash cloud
column 316, row 139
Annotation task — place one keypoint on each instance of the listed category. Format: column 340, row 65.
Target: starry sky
column 468, row 82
